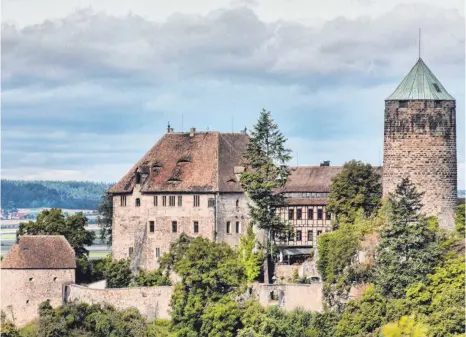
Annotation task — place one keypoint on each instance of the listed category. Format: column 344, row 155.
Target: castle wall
column 130, row 221
column 152, row 302
column 228, row 211
column 289, row 297
column 420, row 143
column 22, row 290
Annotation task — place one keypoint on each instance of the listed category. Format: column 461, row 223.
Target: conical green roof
column 420, row 83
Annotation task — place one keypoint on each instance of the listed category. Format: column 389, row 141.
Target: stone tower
column 420, row 142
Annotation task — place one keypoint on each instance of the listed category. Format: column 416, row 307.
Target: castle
column 189, row 182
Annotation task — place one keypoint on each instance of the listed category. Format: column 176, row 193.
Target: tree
column 265, row 173
column 104, row 220
column 405, row 327
column 408, row 247
column 250, row 259
column 460, row 220
column 53, row 222
column 357, row 186
column 117, row 273
column 210, row 273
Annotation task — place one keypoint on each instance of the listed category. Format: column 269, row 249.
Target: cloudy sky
column 89, row 85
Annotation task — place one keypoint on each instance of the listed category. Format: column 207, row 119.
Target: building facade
column 36, row 269
column 188, row 183
column 420, row 142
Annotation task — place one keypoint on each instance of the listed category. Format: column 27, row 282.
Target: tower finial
column 419, row 42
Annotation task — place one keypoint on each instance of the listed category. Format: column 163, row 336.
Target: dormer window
column 184, row 160
column 437, row 88
column 138, row 177
column 173, row 181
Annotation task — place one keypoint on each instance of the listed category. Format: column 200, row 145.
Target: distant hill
column 60, row 194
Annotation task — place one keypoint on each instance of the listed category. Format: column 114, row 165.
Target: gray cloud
column 89, row 93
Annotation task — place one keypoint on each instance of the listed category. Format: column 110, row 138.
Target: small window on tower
column 436, row 87
column 196, row 226
column 151, row 226
column 403, row 104
column 438, row 104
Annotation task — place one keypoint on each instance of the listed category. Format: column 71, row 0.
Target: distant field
column 97, row 255
column 8, row 236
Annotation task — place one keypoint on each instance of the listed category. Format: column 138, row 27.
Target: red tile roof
column 40, row 252
column 179, row 162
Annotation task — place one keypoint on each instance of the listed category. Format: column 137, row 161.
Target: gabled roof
column 180, row 162
column 421, row 84
column 40, row 252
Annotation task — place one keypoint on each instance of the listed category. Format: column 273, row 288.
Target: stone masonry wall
column 129, row 220
column 289, row 297
column 22, row 290
column 152, row 302
column 420, row 143
column 233, row 208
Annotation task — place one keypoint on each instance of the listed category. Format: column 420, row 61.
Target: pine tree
column 265, row 173
column 408, row 247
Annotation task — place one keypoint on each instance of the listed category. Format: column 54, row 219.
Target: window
column 151, row 226
column 197, row 201
column 138, row 202
column 157, row 252
column 291, row 236
column 318, row 233
column 290, row 214
column 310, row 236
column 310, row 214
column 436, row 87
column 164, row 200
column 228, row 227
column 403, row 104
column 174, row 226
column 237, row 203
column 130, row 251
column 172, row 200
column 299, row 214
column 180, row 201
column 299, row 235
column 211, row 202
column 196, row 226
column 320, row 214
column 123, row 200
column 31, row 279
column 237, row 227
column 438, row 104
column 156, row 201
column 138, row 178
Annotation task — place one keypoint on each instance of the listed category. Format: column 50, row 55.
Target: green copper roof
column 420, row 83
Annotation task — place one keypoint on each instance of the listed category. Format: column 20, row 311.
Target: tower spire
column 419, row 42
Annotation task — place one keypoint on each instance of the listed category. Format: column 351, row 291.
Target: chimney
column 192, row 131
column 325, row 163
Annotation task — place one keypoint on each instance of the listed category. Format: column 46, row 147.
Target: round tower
column 420, row 142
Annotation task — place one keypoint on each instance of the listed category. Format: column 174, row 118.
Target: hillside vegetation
column 58, row 194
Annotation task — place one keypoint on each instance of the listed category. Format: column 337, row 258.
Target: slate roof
column 420, row 84
column 40, row 252
column 179, row 162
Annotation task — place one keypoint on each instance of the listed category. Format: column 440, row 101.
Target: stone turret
column 420, row 142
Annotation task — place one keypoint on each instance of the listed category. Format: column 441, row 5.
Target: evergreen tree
column 265, row 173
column 357, row 186
column 408, row 247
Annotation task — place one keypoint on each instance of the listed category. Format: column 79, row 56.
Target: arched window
column 138, row 202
